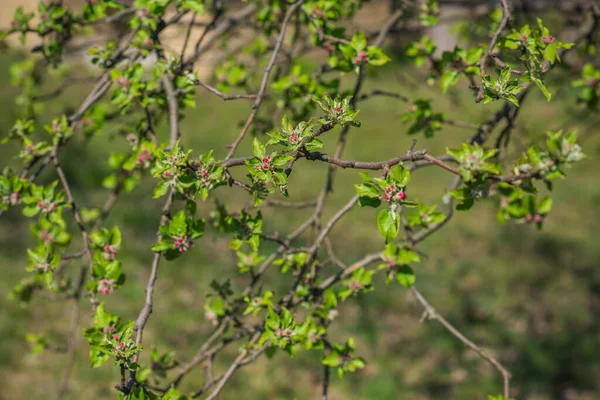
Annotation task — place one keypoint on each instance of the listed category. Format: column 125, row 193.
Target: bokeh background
column 530, row 298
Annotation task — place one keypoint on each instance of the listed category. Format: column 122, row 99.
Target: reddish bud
column 116, row 337
column 538, row 219
column 339, row 109
column 265, row 166
column 524, row 37
column 528, row 218
column 363, row 55
column 386, row 197
column 401, row 195
column 40, row 205
column 265, row 160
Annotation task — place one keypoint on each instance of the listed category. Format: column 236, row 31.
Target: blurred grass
column 530, row 297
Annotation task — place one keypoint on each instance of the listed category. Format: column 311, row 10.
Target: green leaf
column 258, row 148
column 550, row 53
column 115, row 236
column 405, row 276
column 369, row 202
column 97, row 357
column 545, row 206
column 359, row 41
column 332, row 359
column 102, row 318
column 448, row 79
column 281, row 160
column 162, row 246
column 178, row 225
column 400, row 174
column 367, row 190
column 389, row 224
column 543, row 88
column 160, row 190
column 194, row 5
column 31, row 211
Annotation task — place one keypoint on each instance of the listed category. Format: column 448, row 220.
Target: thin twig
column 223, row 95
column 265, row 79
column 488, row 52
column 433, row 314
column 173, row 112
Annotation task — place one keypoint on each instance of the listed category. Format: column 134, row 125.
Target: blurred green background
column 530, row 298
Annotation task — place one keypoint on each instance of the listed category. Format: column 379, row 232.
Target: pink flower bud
column 265, row 160
column 401, row 195
column 386, row 197
column 528, row 218
column 339, row 109
column 524, row 37
column 265, row 166
column 538, row 219
column 116, row 337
